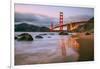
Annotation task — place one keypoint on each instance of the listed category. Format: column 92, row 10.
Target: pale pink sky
column 53, row 11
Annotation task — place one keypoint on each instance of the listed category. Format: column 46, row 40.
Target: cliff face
column 87, row 27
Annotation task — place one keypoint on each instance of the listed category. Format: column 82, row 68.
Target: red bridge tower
column 61, row 21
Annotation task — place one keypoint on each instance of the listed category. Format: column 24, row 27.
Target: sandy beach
column 86, row 43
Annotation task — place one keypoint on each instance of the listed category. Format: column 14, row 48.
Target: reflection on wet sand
column 86, row 50
column 58, row 48
column 67, row 43
column 73, row 43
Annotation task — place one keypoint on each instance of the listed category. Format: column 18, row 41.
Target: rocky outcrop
column 24, row 37
column 63, row 33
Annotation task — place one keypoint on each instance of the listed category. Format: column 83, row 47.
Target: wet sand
column 79, row 47
column 86, row 50
column 56, row 49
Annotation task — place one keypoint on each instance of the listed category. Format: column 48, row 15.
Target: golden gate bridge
column 61, row 26
column 60, row 21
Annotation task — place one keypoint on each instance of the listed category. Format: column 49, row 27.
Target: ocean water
column 52, row 48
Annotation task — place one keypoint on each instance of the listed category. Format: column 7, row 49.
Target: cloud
column 34, row 19
column 41, row 20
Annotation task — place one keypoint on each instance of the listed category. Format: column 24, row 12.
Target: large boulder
column 24, row 37
column 87, row 33
column 63, row 33
column 15, row 37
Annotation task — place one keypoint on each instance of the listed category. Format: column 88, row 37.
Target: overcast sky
column 53, row 11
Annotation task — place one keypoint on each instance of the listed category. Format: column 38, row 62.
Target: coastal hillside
column 24, row 27
column 87, row 27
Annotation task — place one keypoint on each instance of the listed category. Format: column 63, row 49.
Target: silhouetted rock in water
column 49, row 37
column 15, row 37
column 63, row 33
column 38, row 36
column 24, row 37
column 87, row 33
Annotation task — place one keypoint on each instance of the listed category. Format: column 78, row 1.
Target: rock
column 63, row 33
column 87, row 33
column 15, row 37
column 25, row 37
column 49, row 37
column 38, row 36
